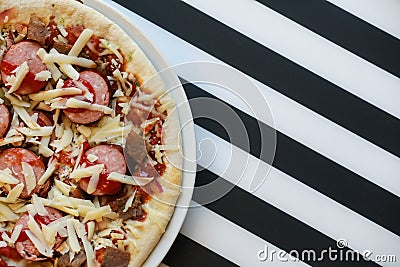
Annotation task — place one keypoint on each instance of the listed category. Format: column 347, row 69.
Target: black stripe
column 269, row 223
column 306, row 165
column 344, row 29
column 185, row 252
column 272, row 69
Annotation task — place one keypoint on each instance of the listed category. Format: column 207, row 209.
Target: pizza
column 90, row 153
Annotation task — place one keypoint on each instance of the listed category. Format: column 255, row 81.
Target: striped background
column 330, row 71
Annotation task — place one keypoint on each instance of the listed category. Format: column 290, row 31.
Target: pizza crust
column 161, row 207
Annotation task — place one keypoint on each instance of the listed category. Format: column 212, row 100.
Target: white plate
column 185, row 117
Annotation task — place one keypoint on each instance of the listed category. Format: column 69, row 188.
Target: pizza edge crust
column 161, row 208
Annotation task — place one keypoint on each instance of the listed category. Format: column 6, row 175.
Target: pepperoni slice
column 98, row 86
column 114, row 161
column 16, row 55
column 5, row 118
column 12, row 159
column 24, row 245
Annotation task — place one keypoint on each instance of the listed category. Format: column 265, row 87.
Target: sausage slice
column 17, row 54
column 114, row 161
column 5, row 118
column 24, row 245
column 98, row 86
column 12, row 159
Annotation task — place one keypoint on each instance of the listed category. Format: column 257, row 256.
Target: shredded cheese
column 74, row 103
column 63, row 187
column 40, row 245
column 93, row 182
column 38, row 204
column 90, row 256
column 8, row 213
column 20, row 74
column 55, row 72
column 51, row 94
column 84, row 130
column 87, row 172
column 91, row 227
column 17, row 102
column 129, row 203
column 42, row 131
column 16, row 232
column 43, row 147
column 81, row 42
column 11, row 140
column 30, row 178
column 50, row 234
column 73, row 241
column 92, row 158
column 14, row 194
column 111, row 47
column 97, row 214
column 7, row 178
column 49, row 171
column 67, row 68
column 73, row 60
column 65, row 140
column 126, row 179
column 23, row 114
column 43, row 76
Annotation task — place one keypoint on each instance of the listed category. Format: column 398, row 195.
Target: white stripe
column 291, row 118
column 228, row 240
column 297, row 199
column 383, row 14
column 307, row 49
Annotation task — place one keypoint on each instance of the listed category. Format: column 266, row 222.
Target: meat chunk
column 37, row 30
column 136, row 148
column 135, row 212
column 78, row 261
column 113, row 257
column 62, row 47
